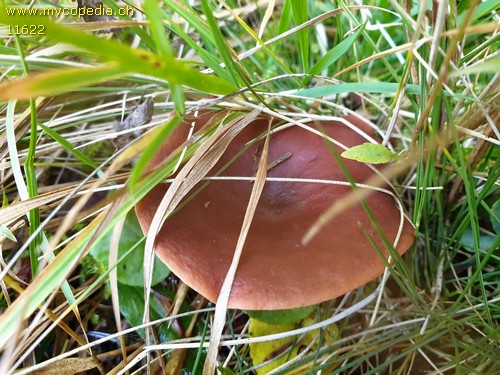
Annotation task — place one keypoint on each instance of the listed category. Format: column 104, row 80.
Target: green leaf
column 485, row 242
column 281, row 316
column 131, row 270
column 370, row 153
column 336, row 52
column 132, row 307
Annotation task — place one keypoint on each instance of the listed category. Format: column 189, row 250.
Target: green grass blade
column 482, row 9
column 219, row 40
column 157, row 30
column 366, row 87
column 491, row 65
column 153, row 11
column 69, row 147
column 300, row 15
column 336, row 52
column 29, row 170
column 128, row 60
column 191, row 16
column 58, row 81
column 148, row 153
column 211, row 61
column 286, row 16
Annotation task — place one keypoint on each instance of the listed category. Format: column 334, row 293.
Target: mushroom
column 276, row 271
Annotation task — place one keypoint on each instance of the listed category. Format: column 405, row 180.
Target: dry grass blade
column 223, row 299
column 123, row 158
column 18, row 209
column 304, row 25
column 195, row 169
column 106, row 25
column 265, row 20
column 28, row 302
column 443, row 74
column 486, row 28
column 69, row 366
column 113, row 281
column 246, row 9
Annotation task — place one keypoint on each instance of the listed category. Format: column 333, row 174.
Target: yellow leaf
column 265, row 351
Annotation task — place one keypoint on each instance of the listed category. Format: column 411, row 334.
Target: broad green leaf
column 288, row 347
column 370, row 153
column 330, row 333
column 281, row 316
column 336, row 52
column 485, row 242
column 132, row 307
column 130, row 271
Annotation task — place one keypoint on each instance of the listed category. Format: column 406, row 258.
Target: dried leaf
column 68, row 366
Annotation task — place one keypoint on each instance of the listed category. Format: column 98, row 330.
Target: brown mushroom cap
column 276, row 271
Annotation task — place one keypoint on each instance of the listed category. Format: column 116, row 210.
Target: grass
column 426, row 75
